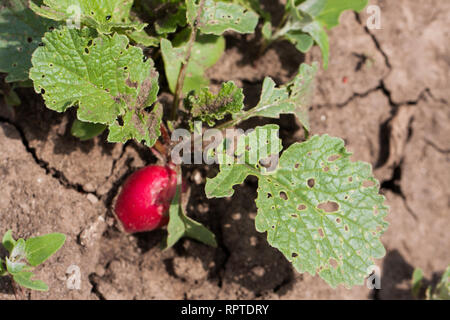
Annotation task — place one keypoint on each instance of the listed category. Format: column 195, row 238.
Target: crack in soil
column 375, row 41
column 54, row 173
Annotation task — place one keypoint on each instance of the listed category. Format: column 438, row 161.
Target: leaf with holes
column 209, row 107
column 295, row 97
column 98, row 14
column 332, row 10
column 103, row 75
column 206, row 51
column 20, row 34
column 216, row 17
column 322, row 211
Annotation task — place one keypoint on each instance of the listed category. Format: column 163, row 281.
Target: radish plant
column 321, row 210
column 24, row 255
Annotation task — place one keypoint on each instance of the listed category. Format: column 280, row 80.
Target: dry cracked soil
column 386, row 93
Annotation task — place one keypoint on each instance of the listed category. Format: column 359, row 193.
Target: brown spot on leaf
column 321, row 234
column 329, row 206
column 311, row 182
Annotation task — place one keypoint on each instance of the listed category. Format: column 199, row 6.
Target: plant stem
column 182, row 74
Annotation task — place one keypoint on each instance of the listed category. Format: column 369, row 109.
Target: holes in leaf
column 329, row 206
column 14, row 65
column 283, row 195
column 294, row 255
column 338, row 220
column 43, row 76
column 125, row 68
column 108, row 18
column 42, row 91
column 334, row 157
column 346, row 228
column 301, row 207
column 311, row 183
column 86, row 50
column 297, row 165
column 321, row 234
column 120, row 121
column 273, row 227
column 346, row 197
column 41, row 44
column 326, row 169
column 350, row 179
column 269, row 195
column 50, row 65
column 368, row 183
column 294, row 216
column 92, row 13
column 29, row 39
column 51, row 28
column 333, row 263
column 89, row 44
column 20, row 49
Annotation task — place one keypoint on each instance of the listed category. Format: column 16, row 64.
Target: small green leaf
column 181, row 225
column 14, row 267
column 318, row 33
column 24, row 279
column 142, row 38
column 206, row 51
column 295, row 97
column 331, row 12
column 416, row 282
column 104, row 76
column 209, row 107
column 97, row 14
column 170, row 22
column 322, row 211
column 20, row 34
column 8, row 241
column 442, row 291
column 217, row 17
column 39, row 249
column 302, row 41
column 85, row 130
column 18, row 252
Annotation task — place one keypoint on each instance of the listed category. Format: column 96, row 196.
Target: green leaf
column 8, row 241
column 18, row 252
column 318, row 33
column 322, row 211
column 181, row 225
column 331, row 12
column 416, row 282
column 20, row 34
column 295, row 97
column 142, row 127
column 86, row 130
column 104, row 76
column 443, row 288
column 14, row 267
column 98, row 14
column 175, row 18
column 240, row 161
column 209, row 107
column 142, row 38
column 41, row 248
column 24, row 279
column 217, row 17
column 206, row 51
column 302, row 41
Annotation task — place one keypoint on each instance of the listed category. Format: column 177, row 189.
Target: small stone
column 92, row 198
